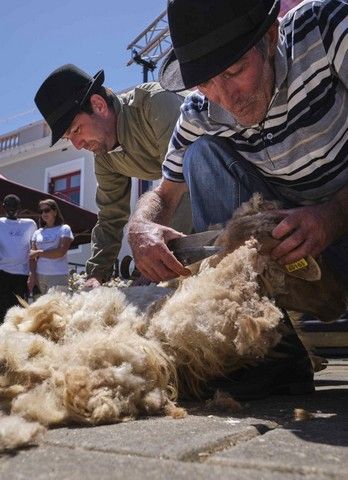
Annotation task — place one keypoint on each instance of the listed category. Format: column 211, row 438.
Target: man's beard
column 97, row 148
column 249, row 114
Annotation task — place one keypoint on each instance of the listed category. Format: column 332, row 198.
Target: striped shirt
column 302, row 144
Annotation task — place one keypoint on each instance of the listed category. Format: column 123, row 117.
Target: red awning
column 81, row 221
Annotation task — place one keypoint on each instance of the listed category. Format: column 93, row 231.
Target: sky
column 37, row 36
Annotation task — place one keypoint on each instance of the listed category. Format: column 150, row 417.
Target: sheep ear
column 306, row 268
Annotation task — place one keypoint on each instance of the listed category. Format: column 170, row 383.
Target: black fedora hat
column 210, row 35
column 62, row 94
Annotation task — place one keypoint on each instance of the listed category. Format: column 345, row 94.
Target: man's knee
column 204, row 154
column 195, row 152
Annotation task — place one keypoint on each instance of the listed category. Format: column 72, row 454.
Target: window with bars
column 67, row 186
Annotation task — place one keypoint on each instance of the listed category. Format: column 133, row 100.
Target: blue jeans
column 220, row 180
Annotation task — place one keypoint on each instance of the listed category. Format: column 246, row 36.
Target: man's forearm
column 113, row 202
column 106, row 243
column 159, row 205
column 102, row 271
column 151, row 208
column 101, row 263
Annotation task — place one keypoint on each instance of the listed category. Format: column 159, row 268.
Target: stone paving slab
column 301, row 448
column 262, row 443
column 48, row 463
column 181, row 439
column 317, row 446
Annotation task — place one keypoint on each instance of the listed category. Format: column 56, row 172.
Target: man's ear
column 99, row 105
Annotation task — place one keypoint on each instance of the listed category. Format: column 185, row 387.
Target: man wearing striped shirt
column 269, row 115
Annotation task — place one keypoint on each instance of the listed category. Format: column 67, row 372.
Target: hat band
column 65, row 107
column 221, row 36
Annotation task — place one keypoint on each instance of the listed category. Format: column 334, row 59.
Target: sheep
column 314, row 289
column 102, row 357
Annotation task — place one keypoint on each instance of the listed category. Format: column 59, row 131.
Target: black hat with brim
column 62, row 94
column 209, row 36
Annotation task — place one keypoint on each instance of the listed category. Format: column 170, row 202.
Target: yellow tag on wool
column 291, row 267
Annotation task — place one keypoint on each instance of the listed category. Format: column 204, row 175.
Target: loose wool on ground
column 114, row 354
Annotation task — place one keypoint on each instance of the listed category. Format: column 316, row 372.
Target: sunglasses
column 45, row 210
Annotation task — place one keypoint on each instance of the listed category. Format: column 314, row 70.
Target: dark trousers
column 11, row 284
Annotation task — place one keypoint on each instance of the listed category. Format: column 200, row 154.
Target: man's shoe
column 287, row 371
column 270, row 377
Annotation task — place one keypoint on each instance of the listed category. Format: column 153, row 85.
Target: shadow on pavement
column 328, row 408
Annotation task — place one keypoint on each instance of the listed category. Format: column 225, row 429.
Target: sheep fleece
column 100, row 357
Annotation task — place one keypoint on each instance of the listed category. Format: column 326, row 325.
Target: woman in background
column 49, row 246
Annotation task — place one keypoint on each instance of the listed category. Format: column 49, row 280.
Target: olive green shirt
column 146, row 117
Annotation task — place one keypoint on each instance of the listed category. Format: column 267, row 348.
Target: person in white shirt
column 49, row 247
column 15, row 236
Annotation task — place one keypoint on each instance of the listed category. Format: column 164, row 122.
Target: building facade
column 27, row 158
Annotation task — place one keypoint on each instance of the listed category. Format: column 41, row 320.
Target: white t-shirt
column 15, row 236
column 48, row 238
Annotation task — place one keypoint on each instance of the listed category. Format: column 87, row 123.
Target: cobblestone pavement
column 262, row 442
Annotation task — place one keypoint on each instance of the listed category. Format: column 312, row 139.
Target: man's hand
column 305, row 231
column 151, row 255
column 92, row 282
column 148, row 236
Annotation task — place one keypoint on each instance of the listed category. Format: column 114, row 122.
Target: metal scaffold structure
column 151, row 45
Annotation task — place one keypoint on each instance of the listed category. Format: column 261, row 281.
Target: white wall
column 33, row 162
